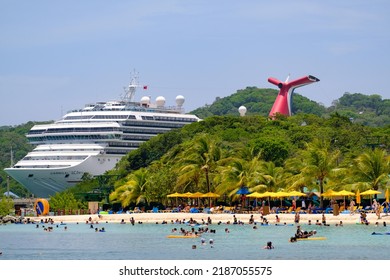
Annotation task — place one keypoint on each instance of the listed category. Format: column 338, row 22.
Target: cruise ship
column 92, row 140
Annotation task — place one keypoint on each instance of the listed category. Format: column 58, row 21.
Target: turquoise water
column 149, row 242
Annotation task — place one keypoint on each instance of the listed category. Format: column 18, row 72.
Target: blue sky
column 56, row 56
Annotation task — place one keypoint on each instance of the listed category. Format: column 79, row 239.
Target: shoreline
column 223, row 218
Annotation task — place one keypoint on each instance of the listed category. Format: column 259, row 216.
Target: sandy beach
column 224, row 218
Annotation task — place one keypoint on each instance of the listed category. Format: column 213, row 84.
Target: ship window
column 30, row 175
column 67, row 175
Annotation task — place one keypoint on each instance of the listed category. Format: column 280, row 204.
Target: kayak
column 312, row 238
column 182, row 236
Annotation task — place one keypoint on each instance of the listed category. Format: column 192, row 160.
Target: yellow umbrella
column 176, row 194
column 328, row 193
column 196, row 195
column 211, row 194
column 187, row 194
column 281, row 194
column 370, row 192
column 267, row 194
column 387, row 195
column 296, row 193
column 255, row 194
column 358, row 198
column 343, row 193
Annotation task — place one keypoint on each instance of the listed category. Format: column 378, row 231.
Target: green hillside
column 370, row 110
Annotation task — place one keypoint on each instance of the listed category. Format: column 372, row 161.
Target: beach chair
column 289, row 210
column 297, row 210
column 229, row 210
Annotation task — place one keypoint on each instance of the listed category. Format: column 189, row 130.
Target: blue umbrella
column 243, row 190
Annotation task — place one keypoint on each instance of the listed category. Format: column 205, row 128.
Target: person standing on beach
column 352, row 207
column 297, row 218
column 294, row 204
column 303, row 207
column 323, row 219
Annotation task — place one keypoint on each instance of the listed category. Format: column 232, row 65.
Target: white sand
column 224, row 218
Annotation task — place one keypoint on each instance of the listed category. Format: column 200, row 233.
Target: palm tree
column 200, row 159
column 317, row 163
column 133, row 190
column 238, row 173
column 370, row 170
column 273, row 176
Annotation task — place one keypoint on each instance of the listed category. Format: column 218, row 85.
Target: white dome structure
column 145, row 100
column 180, row 100
column 160, row 101
column 242, row 110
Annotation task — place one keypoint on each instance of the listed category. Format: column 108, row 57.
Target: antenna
column 132, row 87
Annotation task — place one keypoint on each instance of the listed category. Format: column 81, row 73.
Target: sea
column 229, row 242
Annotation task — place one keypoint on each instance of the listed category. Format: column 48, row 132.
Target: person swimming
column 269, row 246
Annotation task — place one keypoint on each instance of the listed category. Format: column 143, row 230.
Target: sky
column 56, row 56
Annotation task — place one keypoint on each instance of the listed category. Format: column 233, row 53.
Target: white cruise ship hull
column 45, row 182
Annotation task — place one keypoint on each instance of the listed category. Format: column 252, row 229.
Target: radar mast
column 132, row 87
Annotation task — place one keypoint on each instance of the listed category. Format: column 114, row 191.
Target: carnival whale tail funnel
column 282, row 104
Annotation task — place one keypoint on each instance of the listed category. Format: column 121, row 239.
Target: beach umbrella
column 328, row 193
column 176, row 194
column 255, row 195
column 387, row 195
column 296, row 193
column 196, row 195
column 211, row 195
column 344, row 193
column 243, row 191
column 370, row 193
column 262, row 195
column 187, row 194
column 280, row 195
column 358, row 198
column 267, row 194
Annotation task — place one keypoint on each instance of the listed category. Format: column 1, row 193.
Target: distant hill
column 370, row 110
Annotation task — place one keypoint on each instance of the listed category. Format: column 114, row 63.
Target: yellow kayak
column 312, row 238
column 182, row 236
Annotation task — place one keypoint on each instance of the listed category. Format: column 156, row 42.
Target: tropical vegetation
column 344, row 146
